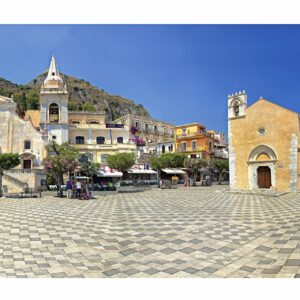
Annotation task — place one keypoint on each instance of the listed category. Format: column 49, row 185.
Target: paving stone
column 293, row 262
column 190, row 270
column 247, row 269
column 151, row 271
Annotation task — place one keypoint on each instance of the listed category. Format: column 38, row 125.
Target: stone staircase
column 13, row 185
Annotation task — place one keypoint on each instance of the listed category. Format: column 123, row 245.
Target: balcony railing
column 26, row 171
column 192, row 134
column 191, row 149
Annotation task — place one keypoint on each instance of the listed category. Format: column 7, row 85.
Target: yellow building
column 89, row 133
column 263, row 145
column 193, row 140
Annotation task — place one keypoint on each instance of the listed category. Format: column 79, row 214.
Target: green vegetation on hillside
column 82, row 97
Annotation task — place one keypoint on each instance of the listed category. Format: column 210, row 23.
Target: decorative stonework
column 293, row 162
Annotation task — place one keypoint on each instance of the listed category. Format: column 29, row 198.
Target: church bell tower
column 54, row 105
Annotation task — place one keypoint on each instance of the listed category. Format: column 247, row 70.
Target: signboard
column 114, row 125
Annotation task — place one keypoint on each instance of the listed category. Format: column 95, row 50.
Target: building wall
column 157, row 131
column 14, row 131
column 281, row 134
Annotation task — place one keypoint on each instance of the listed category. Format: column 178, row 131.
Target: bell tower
column 54, row 105
column 237, row 104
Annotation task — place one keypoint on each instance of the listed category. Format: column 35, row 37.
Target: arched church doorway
column 261, row 167
column 264, row 177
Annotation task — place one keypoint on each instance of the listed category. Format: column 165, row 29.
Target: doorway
column 27, row 164
column 264, row 177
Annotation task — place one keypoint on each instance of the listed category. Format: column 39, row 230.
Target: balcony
column 192, row 134
column 191, row 149
column 114, row 146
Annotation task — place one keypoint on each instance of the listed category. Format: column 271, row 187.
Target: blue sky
column 180, row 73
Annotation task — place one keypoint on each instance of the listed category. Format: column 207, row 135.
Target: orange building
column 193, row 140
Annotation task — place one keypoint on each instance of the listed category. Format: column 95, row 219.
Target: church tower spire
column 53, row 79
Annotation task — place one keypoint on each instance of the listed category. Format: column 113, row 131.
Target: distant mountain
column 82, row 96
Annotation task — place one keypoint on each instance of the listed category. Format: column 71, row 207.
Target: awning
column 143, row 171
column 109, row 174
column 173, row 171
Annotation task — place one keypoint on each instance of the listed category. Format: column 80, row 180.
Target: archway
column 261, row 167
column 53, row 113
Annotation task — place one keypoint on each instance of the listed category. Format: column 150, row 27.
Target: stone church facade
column 263, row 145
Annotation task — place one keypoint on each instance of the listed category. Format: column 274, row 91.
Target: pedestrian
column 69, row 189
column 78, row 189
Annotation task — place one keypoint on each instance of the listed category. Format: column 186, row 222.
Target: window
column 171, row 148
column 100, row 140
column 53, row 137
column 137, row 124
column 93, row 122
column 79, row 140
column 210, row 146
column 163, row 149
column 183, row 131
column 194, row 145
column 146, row 127
column 104, row 157
column 27, row 144
column 183, row 146
column 120, row 140
column 155, row 128
column 203, row 155
column 75, row 122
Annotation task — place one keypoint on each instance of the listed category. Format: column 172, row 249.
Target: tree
column 72, row 105
column 61, row 159
column 121, row 161
column 87, row 106
column 167, row 160
column 7, row 162
column 32, row 100
column 222, row 165
column 195, row 165
column 20, row 99
column 87, row 166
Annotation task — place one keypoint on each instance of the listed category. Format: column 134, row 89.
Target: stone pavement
column 187, row 232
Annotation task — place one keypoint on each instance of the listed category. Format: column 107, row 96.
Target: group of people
column 77, row 189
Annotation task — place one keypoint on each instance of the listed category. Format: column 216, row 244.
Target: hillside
column 82, row 96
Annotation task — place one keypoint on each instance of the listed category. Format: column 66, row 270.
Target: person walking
column 78, row 189
column 69, row 189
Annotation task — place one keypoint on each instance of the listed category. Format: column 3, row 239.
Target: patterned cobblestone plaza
column 185, row 232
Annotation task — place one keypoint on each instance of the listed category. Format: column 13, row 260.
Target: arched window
column 100, row 140
column 120, row 140
column 53, row 113
column 79, row 140
column 236, row 108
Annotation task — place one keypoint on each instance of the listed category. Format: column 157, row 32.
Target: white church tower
column 54, row 105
